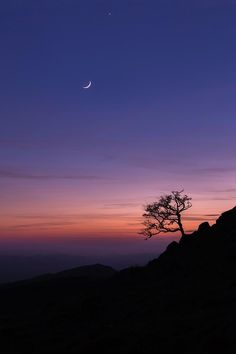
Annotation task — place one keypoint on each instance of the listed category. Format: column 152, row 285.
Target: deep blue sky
column 150, row 61
column 160, row 114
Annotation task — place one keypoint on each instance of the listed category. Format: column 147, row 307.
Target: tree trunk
column 180, row 225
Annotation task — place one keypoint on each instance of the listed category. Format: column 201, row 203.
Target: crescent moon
column 87, row 86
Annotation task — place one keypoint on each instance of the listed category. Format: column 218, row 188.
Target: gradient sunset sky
column 160, row 114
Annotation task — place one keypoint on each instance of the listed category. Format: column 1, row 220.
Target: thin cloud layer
column 18, row 174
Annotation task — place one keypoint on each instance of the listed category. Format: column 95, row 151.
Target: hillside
column 182, row 302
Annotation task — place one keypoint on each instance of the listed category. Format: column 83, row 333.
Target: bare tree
column 164, row 216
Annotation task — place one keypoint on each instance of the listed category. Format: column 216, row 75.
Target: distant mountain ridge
column 17, row 267
column 94, row 271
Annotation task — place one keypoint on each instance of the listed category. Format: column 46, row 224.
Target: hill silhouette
column 91, row 272
column 182, row 302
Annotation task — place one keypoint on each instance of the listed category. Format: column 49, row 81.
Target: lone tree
column 164, row 216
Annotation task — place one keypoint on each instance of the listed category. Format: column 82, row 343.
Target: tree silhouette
column 164, row 216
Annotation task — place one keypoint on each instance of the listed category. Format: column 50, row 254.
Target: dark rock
column 185, row 239
column 172, row 246
column 227, row 221
column 204, row 227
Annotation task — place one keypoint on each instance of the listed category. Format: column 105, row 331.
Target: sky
column 80, row 164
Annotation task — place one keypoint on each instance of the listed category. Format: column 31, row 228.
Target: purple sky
column 159, row 116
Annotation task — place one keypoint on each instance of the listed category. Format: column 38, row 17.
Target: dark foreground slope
column 183, row 302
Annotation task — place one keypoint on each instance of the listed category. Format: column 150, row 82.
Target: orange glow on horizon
column 62, row 211
column 110, row 224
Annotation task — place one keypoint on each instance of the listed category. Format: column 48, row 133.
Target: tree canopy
column 164, row 216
